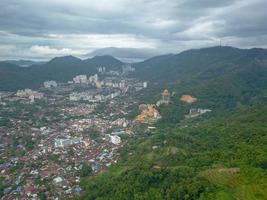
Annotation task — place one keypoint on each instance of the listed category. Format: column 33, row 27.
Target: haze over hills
column 24, row 63
column 129, row 55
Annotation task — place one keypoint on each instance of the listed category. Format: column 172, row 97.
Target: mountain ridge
column 203, row 64
column 24, row 63
column 59, row 68
column 126, row 54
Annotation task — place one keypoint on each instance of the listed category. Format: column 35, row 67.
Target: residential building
column 80, row 79
column 67, row 142
column 49, row 84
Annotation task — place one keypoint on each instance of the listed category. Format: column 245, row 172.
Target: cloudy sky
column 44, row 29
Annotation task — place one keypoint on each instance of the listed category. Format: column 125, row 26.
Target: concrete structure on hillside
column 194, row 112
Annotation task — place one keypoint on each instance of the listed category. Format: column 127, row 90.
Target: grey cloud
column 246, row 21
column 205, row 4
column 169, row 25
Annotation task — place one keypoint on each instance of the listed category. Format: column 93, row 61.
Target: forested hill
column 221, row 155
column 241, row 68
column 13, row 77
column 206, row 63
column 218, row 76
column 207, row 158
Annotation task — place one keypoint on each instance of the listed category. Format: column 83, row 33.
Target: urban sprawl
column 54, row 136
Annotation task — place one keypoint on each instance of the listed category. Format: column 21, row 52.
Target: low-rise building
column 80, row 79
column 49, row 84
column 24, row 93
column 36, row 95
column 68, row 141
column 194, row 112
column 115, row 139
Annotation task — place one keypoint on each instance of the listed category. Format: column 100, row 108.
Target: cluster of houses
column 92, row 97
column 82, row 79
column 30, row 94
column 79, row 109
column 64, row 136
column 50, row 84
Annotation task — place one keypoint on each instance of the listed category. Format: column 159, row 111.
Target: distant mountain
column 109, row 62
column 213, row 61
column 13, row 77
column 129, row 55
column 24, row 63
column 65, row 60
column 7, row 67
column 207, row 73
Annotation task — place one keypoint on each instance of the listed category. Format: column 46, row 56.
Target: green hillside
column 223, row 157
column 219, row 155
column 219, row 76
column 206, row 63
